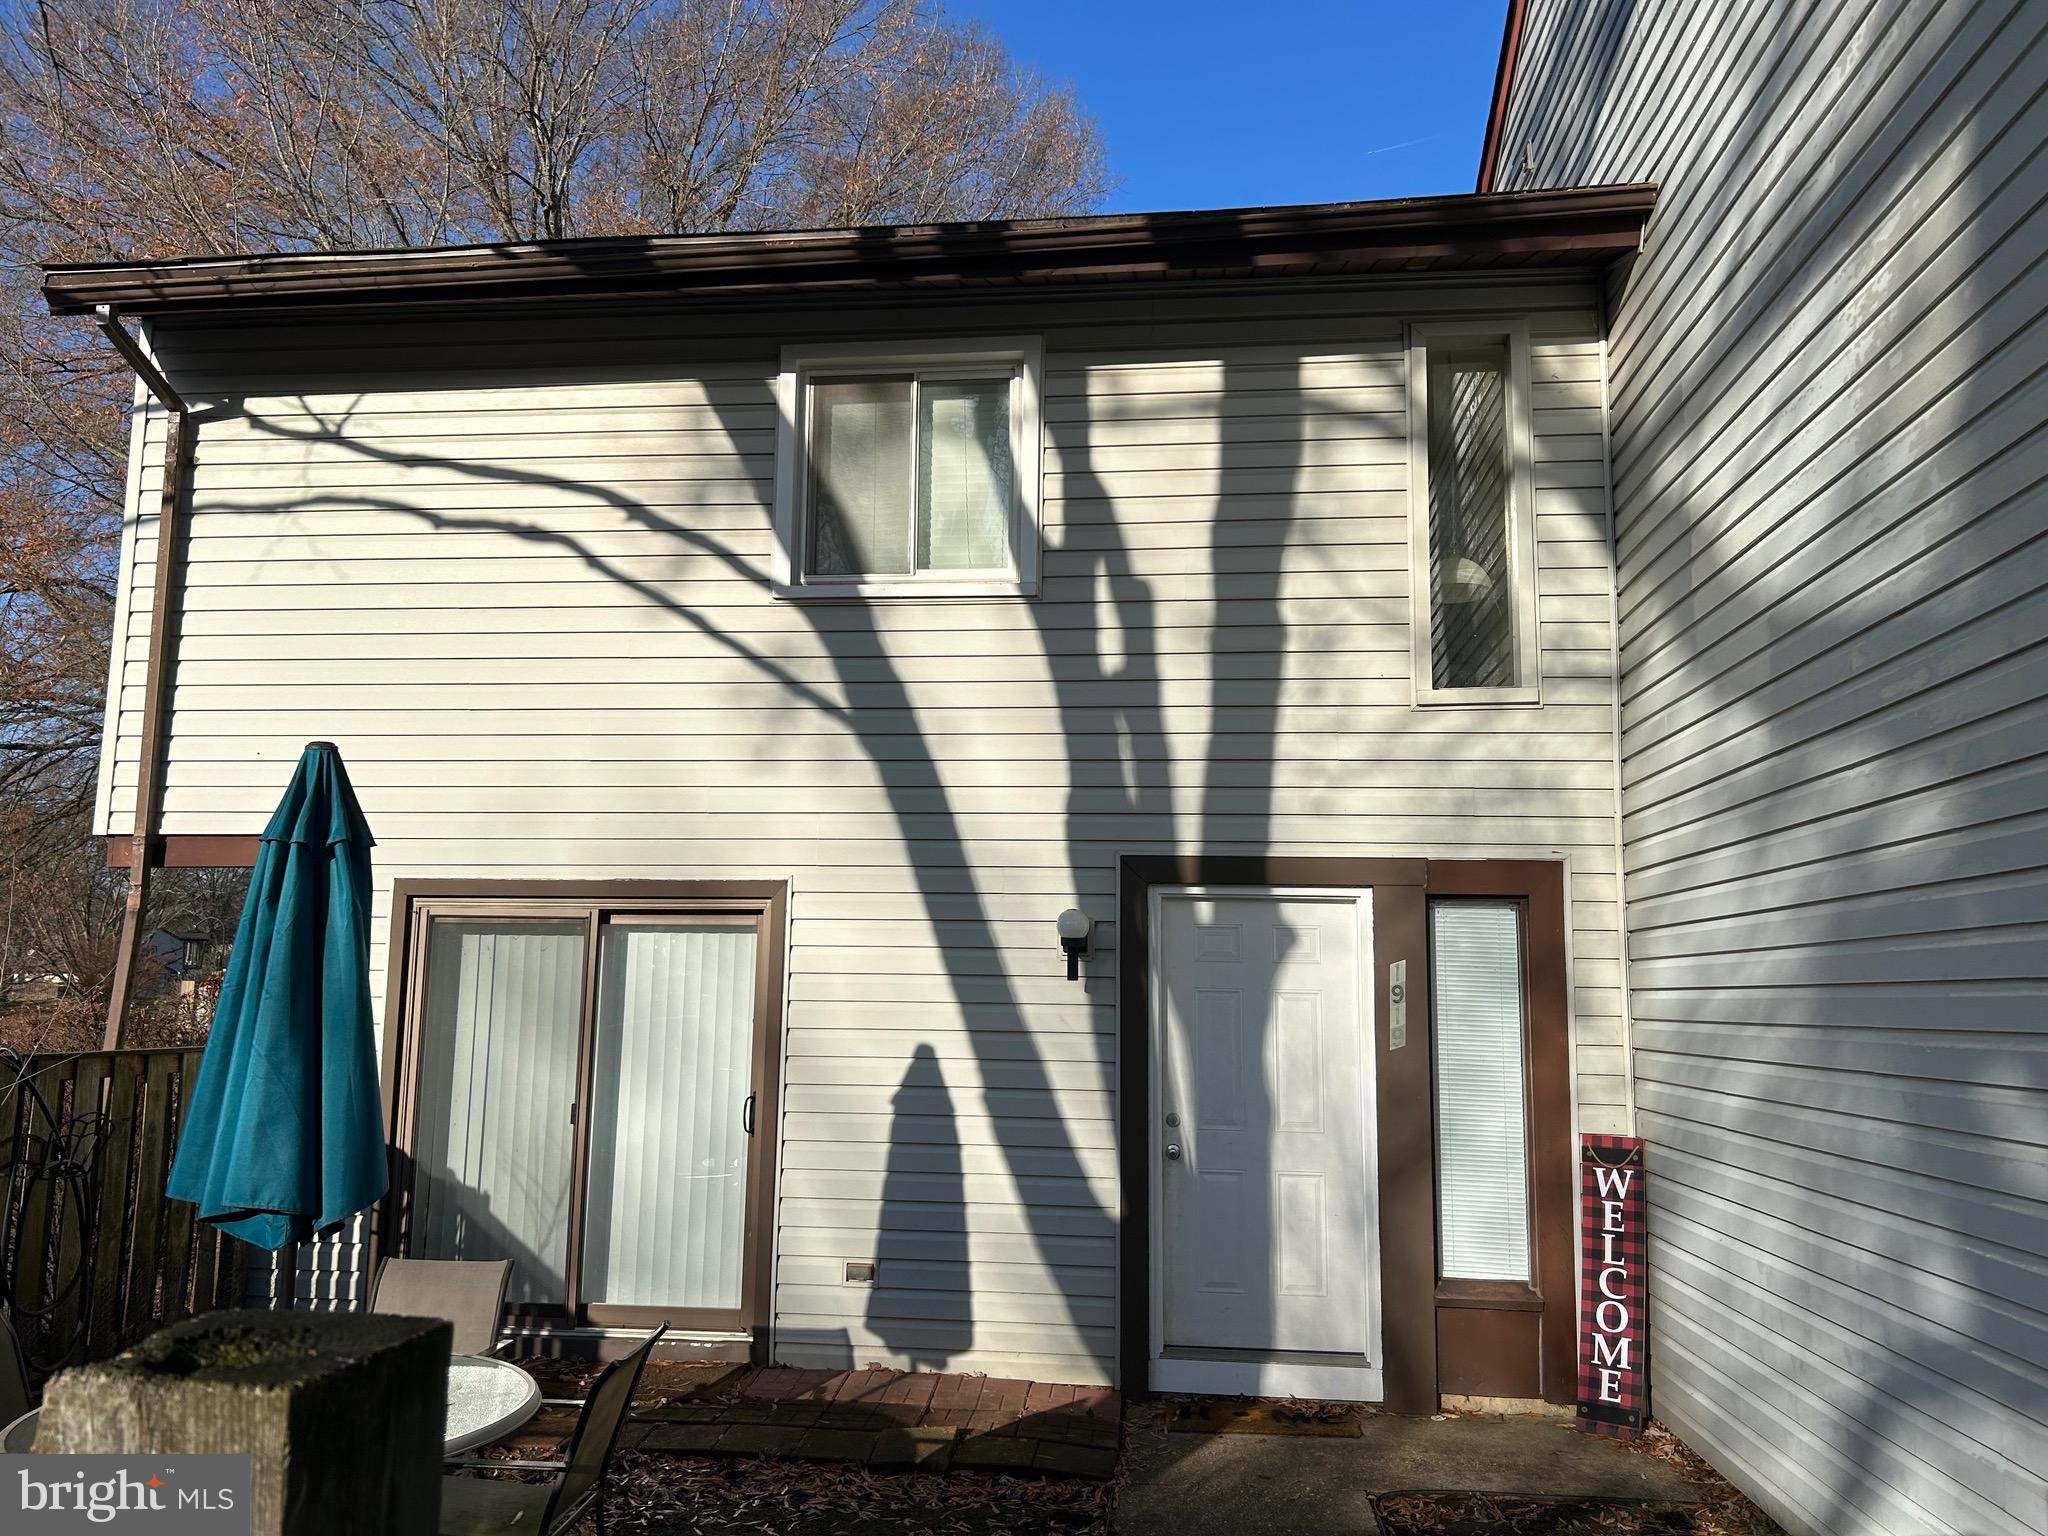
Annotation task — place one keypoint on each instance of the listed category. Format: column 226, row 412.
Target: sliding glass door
column 668, row 1152
column 582, row 1087
column 495, row 1145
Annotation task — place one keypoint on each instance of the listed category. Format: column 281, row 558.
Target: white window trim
column 1521, row 516
column 801, row 364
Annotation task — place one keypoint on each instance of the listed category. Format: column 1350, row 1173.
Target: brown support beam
column 194, row 851
column 156, row 687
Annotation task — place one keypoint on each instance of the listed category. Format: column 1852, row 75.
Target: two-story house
column 754, row 652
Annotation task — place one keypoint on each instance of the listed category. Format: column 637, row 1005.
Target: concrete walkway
column 1285, row 1485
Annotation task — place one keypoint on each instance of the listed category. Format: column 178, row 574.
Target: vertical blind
column 497, row 1077
column 1482, row 1142
column 668, row 1150
column 860, row 455
column 964, row 485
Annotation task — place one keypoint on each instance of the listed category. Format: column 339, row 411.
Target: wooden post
column 342, row 1415
column 164, row 614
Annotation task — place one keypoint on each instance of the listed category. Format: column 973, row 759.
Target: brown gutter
column 1503, row 83
column 156, row 684
column 1570, row 226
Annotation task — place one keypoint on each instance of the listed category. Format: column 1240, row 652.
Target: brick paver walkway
column 883, row 1419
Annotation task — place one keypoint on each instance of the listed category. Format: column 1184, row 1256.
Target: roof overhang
column 1583, row 227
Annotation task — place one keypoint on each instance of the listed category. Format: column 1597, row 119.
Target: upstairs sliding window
column 909, row 473
column 1473, row 517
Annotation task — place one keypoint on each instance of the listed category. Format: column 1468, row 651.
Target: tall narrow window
column 1474, row 588
column 1475, row 952
column 1471, row 588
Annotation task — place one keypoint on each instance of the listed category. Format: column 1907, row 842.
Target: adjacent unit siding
column 518, row 571
column 1829, row 457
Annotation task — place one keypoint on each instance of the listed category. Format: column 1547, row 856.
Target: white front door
column 1266, row 1251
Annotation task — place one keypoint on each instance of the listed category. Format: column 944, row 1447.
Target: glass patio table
column 19, row 1437
column 487, row 1399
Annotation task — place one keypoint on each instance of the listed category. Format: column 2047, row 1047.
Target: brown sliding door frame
column 763, row 905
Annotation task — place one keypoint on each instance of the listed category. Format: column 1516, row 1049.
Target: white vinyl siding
column 1828, row 465
column 1482, row 1146
column 522, row 573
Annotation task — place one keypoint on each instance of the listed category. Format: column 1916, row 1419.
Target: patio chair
column 473, row 1506
column 469, row 1293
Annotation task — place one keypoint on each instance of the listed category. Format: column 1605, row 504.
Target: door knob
column 1173, row 1151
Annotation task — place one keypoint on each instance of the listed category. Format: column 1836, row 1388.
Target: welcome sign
column 1613, row 1379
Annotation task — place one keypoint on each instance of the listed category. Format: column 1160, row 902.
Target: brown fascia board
column 1503, row 83
column 1577, row 226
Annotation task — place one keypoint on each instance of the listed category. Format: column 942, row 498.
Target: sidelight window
column 1479, row 1030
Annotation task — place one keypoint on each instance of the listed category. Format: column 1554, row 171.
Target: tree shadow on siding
column 1835, row 829
column 1116, row 735
column 1019, row 1094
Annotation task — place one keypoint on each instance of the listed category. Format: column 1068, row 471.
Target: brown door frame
column 1407, row 1206
column 1420, row 1313
column 593, row 902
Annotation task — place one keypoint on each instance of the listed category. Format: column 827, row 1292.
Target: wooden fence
column 93, row 1256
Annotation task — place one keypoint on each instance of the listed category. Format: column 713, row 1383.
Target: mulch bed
column 663, row 1495
column 1722, row 1510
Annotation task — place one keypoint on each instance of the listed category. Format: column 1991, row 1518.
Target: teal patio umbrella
column 285, row 1136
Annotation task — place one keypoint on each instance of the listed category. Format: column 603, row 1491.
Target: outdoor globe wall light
column 1074, row 926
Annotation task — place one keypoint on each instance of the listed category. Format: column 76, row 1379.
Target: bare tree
column 140, row 128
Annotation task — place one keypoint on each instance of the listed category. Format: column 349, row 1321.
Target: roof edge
column 1503, row 83
column 1584, row 226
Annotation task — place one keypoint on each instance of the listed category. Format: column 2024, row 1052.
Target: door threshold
column 1323, row 1379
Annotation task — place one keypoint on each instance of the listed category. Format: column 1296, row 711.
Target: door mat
column 1227, row 1416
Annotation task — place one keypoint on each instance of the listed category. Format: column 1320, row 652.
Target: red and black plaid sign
column 1613, row 1375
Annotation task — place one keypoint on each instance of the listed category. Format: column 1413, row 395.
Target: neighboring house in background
column 746, row 647
column 174, row 955
column 1827, row 397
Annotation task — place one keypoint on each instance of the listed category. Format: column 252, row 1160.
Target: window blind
column 668, row 1148
column 1472, row 613
column 497, row 1075
column 964, row 484
column 860, row 470
column 1482, row 1140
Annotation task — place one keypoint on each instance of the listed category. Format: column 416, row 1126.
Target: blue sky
column 1210, row 104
